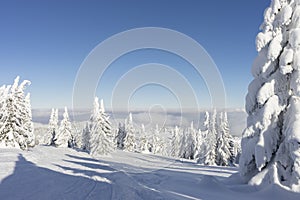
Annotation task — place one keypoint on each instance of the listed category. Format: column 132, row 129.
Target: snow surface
column 61, row 173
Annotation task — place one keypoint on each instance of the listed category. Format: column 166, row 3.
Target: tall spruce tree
column 130, row 140
column 101, row 137
column 52, row 127
column 64, row 136
column 16, row 120
column 271, row 141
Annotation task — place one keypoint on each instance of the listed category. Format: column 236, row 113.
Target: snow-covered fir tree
column 24, row 113
column 16, row 124
column 157, row 143
column 107, row 128
column 101, row 137
column 144, row 141
column 200, row 157
column 208, row 151
column 130, row 140
column 193, row 140
column 164, row 141
column 28, row 124
column 271, row 141
column 3, row 96
column 236, row 149
column 189, row 143
column 211, row 141
column 86, row 136
column 182, row 146
column 176, row 142
column 203, row 148
column 199, row 141
column 224, row 156
column 120, row 136
column 64, row 136
column 77, row 133
column 52, row 127
column 3, row 113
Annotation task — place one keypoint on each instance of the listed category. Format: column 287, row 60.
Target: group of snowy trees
column 16, row 127
column 59, row 135
column 96, row 137
column 213, row 145
column 136, row 139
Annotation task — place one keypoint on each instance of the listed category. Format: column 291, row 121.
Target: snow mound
column 211, row 183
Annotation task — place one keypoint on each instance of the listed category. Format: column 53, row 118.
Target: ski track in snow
column 61, row 173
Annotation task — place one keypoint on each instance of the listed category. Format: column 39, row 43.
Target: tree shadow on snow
column 30, row 181
column 173, row 182
column 88, row 181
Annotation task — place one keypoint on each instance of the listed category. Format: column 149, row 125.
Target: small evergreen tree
column 144, row 143
column 212, row 141
column 158, row 145
column 176, row 142
column 101, row 139
column 182, row 147
column 52, row 127
column 120, row 137
column 28, row 124
column 198, row 146
column 86, row 136
column 224, row 154
column 208, row 151
column 191, row 142
column 64, row 136
column 129, row 142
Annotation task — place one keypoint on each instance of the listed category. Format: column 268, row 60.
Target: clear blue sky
column 46, row 42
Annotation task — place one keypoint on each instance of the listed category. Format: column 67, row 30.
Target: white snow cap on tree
column 102, row 109
column 271, row 141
